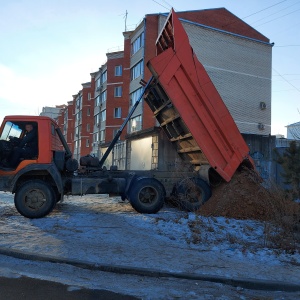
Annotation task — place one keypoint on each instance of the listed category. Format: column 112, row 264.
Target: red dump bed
column 189, row 108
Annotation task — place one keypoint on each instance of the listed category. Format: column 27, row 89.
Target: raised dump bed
column 189, row 108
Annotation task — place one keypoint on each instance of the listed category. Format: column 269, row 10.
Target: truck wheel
column 191, row 193
column 146, row 195
column 35, row 199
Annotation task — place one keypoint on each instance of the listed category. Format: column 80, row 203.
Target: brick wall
column 113, row 81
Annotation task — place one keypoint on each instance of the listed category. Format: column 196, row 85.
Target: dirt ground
column 244, row 197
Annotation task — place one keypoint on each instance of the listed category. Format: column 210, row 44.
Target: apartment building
column 53, row 112
column 68, row 124
column 83, row 120
column 110, row 106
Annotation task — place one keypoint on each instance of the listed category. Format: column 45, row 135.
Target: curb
column 246, row 283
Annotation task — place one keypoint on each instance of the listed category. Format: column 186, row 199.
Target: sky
column 49, row 48
column 102, row 231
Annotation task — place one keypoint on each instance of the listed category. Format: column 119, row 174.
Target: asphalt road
column 25, row 288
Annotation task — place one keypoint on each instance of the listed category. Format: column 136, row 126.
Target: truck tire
column 146, row 195
column 191, row 193
column 35, row 199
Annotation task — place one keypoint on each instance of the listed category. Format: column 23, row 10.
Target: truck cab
column 13, row 130
column 41, row 174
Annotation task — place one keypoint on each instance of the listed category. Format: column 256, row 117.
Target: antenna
column 125, row 17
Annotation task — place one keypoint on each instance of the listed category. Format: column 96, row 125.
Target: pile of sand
column 244, row 197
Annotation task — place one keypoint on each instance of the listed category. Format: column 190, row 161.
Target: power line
column 287, row 46
column 282, row 91
column 286, row 80
column 275, row 13
column 160, row 4
column 288, row 75
column 167, row 3
column 279, row 17
column 254, row 13
column 294, row 26
column 264, row 9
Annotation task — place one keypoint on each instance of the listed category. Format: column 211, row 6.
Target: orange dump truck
column 188, row 108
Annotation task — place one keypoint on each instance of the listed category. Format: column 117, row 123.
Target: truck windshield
column 10, row 130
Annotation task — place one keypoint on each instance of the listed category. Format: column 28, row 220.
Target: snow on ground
column 102, row 230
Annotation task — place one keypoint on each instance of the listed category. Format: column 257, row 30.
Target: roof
column 222, row 19
column 294, row 124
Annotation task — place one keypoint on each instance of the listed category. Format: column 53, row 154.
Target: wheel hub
column 35, row 199
column 147, row 195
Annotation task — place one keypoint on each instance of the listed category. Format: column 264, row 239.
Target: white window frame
column 103, row 115
column 135, row 124
column 137, row 70
column 103, row 97
column 117, row 112
column 118, row 91
column 137, row 44
column 135, row 96
column 102, row 135
column 118, row 70
column 104, row 77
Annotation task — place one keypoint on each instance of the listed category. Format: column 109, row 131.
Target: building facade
column 110, row 106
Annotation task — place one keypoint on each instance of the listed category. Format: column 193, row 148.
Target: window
column 103, row 97
column 117, row 112
column 88, row 127
column 98, row 83
column 88, row 113
column 137, row 43
column 78, row 103
column 102, row 136
column 102, row 115
column 97, row 101
column 136, row 70
column 103, row 77
column 76, row 133
column 97, row 119
column 89, row 96
column 135, row 124
column 79, row 116
column 118, row 70
column 118, row 91
column 66, row 115
column 87, row 143
column 135, row 96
